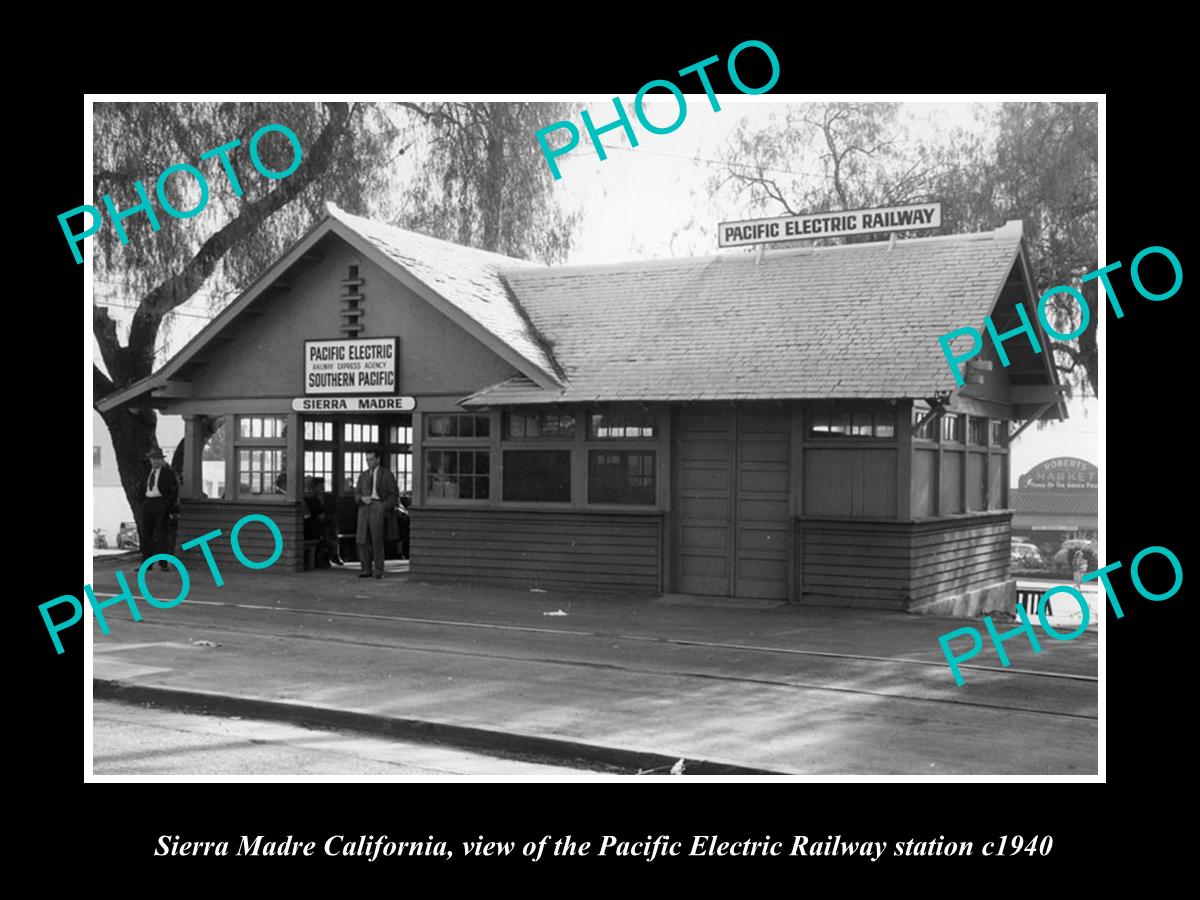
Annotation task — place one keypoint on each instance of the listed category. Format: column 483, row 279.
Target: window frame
column 241, row 444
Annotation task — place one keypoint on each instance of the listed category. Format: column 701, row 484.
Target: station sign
column 353, row 404
column 352, row 366
column 831, row 224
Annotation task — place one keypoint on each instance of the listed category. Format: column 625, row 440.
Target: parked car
column 1026, row 555
column 1065, row 557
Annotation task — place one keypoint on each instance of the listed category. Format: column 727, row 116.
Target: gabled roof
column 858, row 320
column 466, row 277
column 461, row 282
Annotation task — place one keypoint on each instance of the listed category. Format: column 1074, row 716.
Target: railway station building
column 780, row 425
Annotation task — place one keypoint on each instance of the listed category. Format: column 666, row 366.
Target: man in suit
column 376, row 496
column 160, row 500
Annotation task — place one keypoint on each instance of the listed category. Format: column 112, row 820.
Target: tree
column 487, row 184
column 1036, row 162
column 821, row 157
column 351, row 155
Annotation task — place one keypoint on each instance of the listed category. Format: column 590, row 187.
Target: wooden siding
column 199, row 517
column 542, row 548
column 850, row 481
column 894, row 565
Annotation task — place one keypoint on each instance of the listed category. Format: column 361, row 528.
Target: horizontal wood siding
column 854, row 563
column 595, row 551
column 893, row 565
column 199, row 517
column 953, row 557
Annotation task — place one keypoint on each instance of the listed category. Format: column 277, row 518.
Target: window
column 609, row 426
column 977, row 431
column 537, row 475
column 262, row 472
column 267, row 428
column 621, row 476
column 95, row 456
column 925, row 432
column 359, row 433
column 400, row 445
column 856, row 423
column 318, row 452
column 262, row 456
column 318, row 431
column 441, row 425
column 952, row 429
column 999, row 432
column 457, row 474
column 533, row 425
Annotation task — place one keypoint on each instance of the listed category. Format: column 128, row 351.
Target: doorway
column 733, row 531
column 335, row 449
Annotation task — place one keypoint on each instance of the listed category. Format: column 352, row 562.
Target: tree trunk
column 494, row 180
column 133, row 436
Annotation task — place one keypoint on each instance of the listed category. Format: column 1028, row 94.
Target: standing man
column 376, row 497
column 160, row 499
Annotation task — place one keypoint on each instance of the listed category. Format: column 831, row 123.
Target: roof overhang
column 171, row 382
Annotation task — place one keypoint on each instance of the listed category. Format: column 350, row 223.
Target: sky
column 651, row 202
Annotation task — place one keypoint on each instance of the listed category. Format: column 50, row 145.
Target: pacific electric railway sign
column 832, row 224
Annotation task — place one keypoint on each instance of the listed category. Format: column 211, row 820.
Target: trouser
column 372, row 550
column 152, row 530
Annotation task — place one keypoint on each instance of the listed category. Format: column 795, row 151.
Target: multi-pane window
column 621, row 476
column 457, row 474
column 443, row 425
column 621, row 425
column 262, row 471
column 852, row 423
column 318, row 431
column 318, row 464
column 537, row 475
column 998, row 432
column 539, row 424
column 925, row 432
column 262, row 427
column 319, row 445
column 977, row 431
column 261, row 456
column 360, row 433
column 400, row 442
column 952, row 428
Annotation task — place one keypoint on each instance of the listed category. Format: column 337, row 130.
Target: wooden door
column 733, row 531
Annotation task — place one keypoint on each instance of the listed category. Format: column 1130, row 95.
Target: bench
column 1029, row 597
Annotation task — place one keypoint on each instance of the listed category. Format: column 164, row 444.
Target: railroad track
column 857, row 659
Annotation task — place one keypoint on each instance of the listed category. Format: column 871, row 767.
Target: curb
column 592, row 756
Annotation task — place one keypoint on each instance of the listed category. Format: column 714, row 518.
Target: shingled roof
column 859, row 320
column 1066, row 503
column 466, row 277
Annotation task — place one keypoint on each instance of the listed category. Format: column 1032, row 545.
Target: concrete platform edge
column 415, row 730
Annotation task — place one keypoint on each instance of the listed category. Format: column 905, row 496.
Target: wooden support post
column 295, row 459
column 193, row 482
column 904, row 460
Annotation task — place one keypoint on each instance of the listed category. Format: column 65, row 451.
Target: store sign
column 1063, row 473
column 352, row 366
column 354, row 404
column 833, row 224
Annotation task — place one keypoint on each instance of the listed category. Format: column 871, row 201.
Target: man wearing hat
column 160, row 500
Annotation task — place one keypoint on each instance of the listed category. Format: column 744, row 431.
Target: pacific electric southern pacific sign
column 833, row 224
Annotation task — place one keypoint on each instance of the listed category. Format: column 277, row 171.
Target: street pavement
column 136, row 740
column 766, row 687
